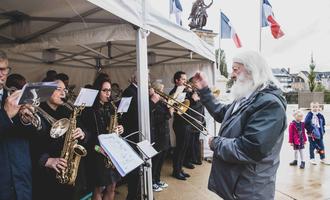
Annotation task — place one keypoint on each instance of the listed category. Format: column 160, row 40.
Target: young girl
column 297, row 137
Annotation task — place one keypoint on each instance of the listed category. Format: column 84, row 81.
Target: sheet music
column 124, row 104
column 147, row 148
column 181, row 97
column 124, row 158
column 34, row 93
column 179, row 90
column 86, row 96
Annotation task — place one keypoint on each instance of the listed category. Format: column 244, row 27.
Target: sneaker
column 312, row 161
column 156, row 188
column 325, row 162
column 302, row 165
column 162, row 184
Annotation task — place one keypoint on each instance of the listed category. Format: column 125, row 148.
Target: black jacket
column 15, row 167
column 161, row 126
column 44, row 147
column 130, row 119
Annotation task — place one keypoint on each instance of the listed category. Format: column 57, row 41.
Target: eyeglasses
column 62, row 90
column 5, row 71
column 106, row 90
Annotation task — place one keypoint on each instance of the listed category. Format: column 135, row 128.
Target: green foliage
column 223, row 63
column 312, row 75
column 327, row 97
column 319, row 88
column 291, row 97
column 229, row 83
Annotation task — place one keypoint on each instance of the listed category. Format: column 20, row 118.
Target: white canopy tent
column 80, row 38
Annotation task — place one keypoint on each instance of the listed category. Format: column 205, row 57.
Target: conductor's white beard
column 242, row 87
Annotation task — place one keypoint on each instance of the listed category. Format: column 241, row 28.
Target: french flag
column 176, row 8
column 268, row 19
column 227, row 30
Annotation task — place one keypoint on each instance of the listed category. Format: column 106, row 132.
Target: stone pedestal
column 206, row 35
column 305, row 98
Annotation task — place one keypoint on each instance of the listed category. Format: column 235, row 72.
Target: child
column 297, row 138
column 314, row 124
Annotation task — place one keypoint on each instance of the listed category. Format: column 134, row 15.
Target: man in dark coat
column 246, row 151
column 15, row 167
column 130, row 121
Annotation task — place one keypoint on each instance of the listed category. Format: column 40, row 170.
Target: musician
column 102, row 178
column 46, row 153
column 180, row 127
column 132, row 125
column 193, row 154
column 162, row 138
column 15, row 167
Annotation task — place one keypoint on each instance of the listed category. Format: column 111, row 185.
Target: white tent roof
column 78, row 32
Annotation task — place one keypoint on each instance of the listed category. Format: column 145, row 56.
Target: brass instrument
column 58, row 127
column 216, row 92
column 112, row 128
column 181, row 108
column 72, row 152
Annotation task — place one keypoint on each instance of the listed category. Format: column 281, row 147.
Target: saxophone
column 113, row 119
column 112, row 129
column 71, row 151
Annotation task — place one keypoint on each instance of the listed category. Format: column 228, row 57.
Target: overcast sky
column 306, row 25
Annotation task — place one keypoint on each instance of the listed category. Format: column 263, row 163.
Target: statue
column 198, row 14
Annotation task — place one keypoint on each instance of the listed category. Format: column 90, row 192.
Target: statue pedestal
column 206, row 35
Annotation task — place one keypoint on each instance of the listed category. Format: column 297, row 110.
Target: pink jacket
column 294, row 135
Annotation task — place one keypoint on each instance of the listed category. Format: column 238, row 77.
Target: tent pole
column 143, row 100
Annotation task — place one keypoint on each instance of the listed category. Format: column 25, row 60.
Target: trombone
column 215, row 91
column 181, row 109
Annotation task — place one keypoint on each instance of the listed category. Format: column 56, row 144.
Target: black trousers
column 133, row 185
column 157, row 163
column 196, row 147
column 189, row 153
column 182, row 139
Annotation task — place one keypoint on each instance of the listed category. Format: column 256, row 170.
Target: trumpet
column 58, row 127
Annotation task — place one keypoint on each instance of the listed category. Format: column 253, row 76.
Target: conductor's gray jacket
column 246, row 151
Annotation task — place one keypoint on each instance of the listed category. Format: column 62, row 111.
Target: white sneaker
column 325, row 162
column 162, row 184
column 156, row 188
column 312, row 161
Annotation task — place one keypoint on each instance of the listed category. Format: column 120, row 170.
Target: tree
column 223, row 63
column 312, row 75
column 319, row 88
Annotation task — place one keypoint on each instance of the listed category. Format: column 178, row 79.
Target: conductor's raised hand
column 200, row 80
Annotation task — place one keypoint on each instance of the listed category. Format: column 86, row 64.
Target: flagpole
column 260, row 24
column 169, row 13
column 219, row 50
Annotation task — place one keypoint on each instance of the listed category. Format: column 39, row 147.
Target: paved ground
column 292, row 182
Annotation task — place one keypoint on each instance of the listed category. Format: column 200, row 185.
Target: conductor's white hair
column 257, row 67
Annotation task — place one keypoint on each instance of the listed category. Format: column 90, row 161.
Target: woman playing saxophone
column 46, row 154
column 101, row 119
